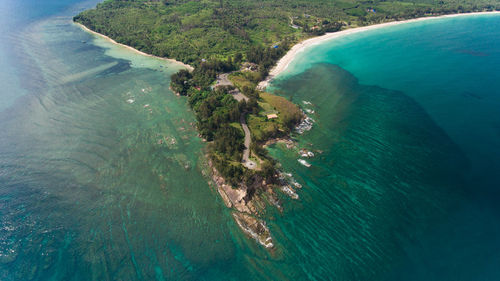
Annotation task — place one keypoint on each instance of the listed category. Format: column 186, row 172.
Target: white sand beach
column 190, row 68
column 285, row 61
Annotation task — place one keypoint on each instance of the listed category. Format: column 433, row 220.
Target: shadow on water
column 385, row 195
column 101, row 179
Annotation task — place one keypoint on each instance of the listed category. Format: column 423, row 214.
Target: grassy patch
column 244, row 79
column 287, row 110
column 267, row 109
column 261, row 128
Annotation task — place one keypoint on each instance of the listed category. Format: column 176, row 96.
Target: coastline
column 285, row 61
column 246, row 214
column 189, row 67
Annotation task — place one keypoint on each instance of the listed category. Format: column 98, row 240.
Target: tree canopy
column 190, row 31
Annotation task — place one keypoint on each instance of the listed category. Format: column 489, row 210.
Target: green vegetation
column 221, row 36
column 288, row 113
column 193, row 30
column 263, row 128
column 245, row 80
column 218, row 115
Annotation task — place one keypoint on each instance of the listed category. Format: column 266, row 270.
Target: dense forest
column 193, row 30
column 218, row 115
column 221, row 36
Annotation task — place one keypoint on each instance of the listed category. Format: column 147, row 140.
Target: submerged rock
column 255, row 228
column 305, row 125
column 288, row 190
column 306, row 153
column 304, row 162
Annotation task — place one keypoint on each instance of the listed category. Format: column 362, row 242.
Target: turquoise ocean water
column 101, row 172
column 408, row 118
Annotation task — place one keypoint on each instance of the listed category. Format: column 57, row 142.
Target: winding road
column 248, row 140
column 223, row 80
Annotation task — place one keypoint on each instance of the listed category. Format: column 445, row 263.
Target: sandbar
column 190, row 68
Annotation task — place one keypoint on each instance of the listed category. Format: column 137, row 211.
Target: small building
column 272, row 116
column 249, row 66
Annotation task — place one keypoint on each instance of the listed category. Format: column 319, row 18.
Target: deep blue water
column 404, row 187
column 420, row 100
column 449, row 66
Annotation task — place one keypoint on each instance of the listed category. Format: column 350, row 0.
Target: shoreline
column 285, row 61
column 189, row 67
column 247, row 213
